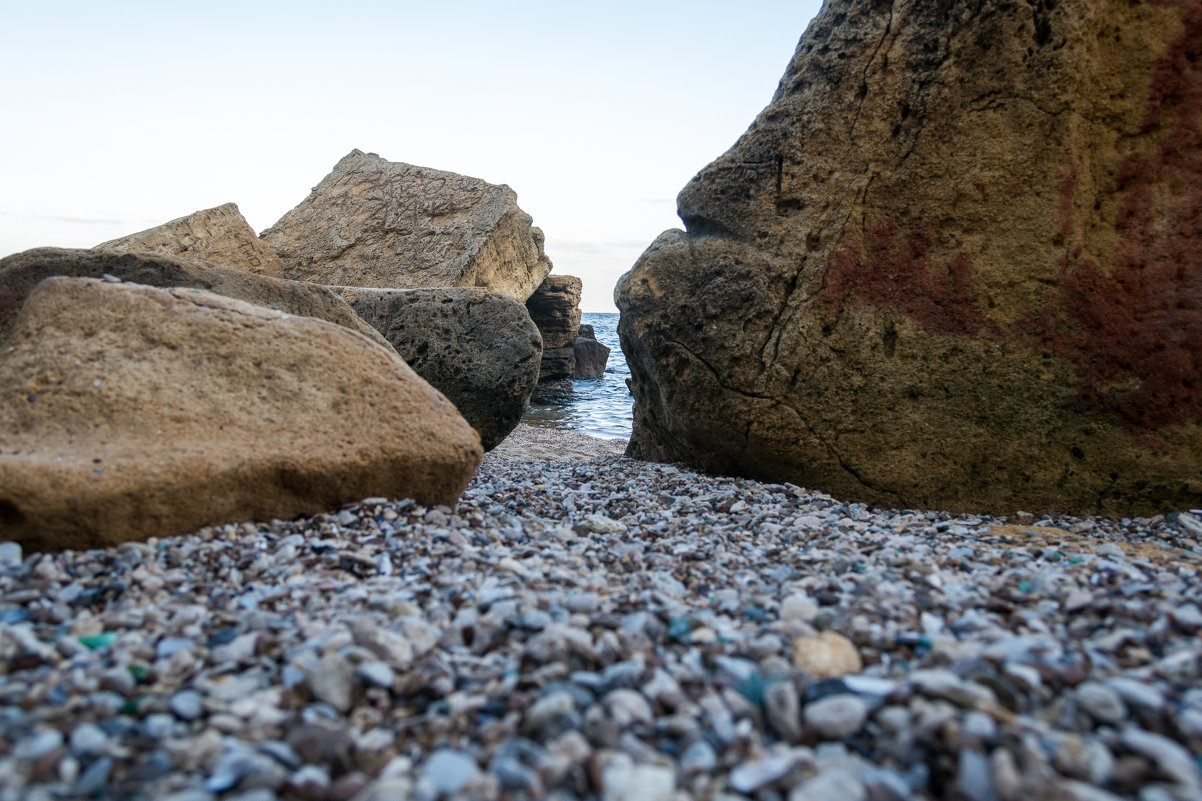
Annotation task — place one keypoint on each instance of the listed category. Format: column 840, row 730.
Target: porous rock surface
column 555, row 309
column 478, row 348
column 21, row 272
column 220, row 235
column 955, row 263
column 378, row 223
column 129, row 412
column 590, row 355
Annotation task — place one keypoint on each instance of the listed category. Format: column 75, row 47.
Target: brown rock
column 378, row 223
column 220, row 235
column 131, row 412
column 21, row 272
column 590, row 355
column 478, row 348
column 555, row 309
column 955, row 263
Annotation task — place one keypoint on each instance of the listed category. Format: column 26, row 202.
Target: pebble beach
column 586, row 626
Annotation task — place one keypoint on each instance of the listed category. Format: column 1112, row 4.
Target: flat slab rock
column 129, row 412
column 386, row 224
column 955, row 263
column 21, row 272
column 220, row 235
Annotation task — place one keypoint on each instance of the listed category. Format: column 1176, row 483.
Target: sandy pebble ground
column 585, row 626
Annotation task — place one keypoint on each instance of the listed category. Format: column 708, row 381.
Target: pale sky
column 118, row 116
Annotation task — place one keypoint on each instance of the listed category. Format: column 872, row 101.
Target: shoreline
column 583, row 625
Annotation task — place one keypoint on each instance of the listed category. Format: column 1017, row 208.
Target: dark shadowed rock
column 590, row 355
column 129, row 412
column 478, row 348
column 21, row 272
column 555, row 309
column 956, row 262
column 220, row 235
column 378, row 223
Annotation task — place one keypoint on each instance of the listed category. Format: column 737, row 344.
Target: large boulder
column 555, row 309
column 220, row 235
column 589, row 355
column 478, row 348
column 129, row 412
column 378, row 223
column 956, row 262
column 21, row 272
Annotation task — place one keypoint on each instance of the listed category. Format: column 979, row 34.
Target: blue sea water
column 599, row 407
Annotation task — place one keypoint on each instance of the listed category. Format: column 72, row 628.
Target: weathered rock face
column 21, row 272
column 956, row 262
column 590, row 355
column 128, row 412
column 378, row 223
column 478, row 348
column 555, row 309
column 220, row 235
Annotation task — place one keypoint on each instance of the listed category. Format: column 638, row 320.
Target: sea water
column 599, row 407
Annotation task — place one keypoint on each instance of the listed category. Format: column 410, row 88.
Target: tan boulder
column 378, row 223
column 220, row 235
column 131, row 412
column 955, row 263
column 21, row 272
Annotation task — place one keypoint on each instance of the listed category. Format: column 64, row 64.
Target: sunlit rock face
column 378, row 223
column 956, row 262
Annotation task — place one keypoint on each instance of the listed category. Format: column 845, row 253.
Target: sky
column 119, row 116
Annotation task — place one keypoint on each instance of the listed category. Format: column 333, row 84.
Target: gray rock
column 748, row 777
column 1140, row 696
column 1170, row 756
column 187, row 705
column 449, row 770
column 699, row 757
column 376, row 674
column 1101, row 701
column 479, row 348
column 332, row 680
column 94, row 778
column 782, row 707
column 10, row 554
column 830, row 785
column 622, row 780
column 974, row 780
column 39, row 745
column 88, row 739
column 836, row 716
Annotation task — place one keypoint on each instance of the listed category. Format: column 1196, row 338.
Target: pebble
column 580, row 636
column 828, row 655
column 1101, row 701
column 449, row 770
column 830, row 785
column 10, row 554
column 836, row 716
column 187, row 705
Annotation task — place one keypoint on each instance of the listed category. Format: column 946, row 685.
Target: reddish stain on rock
column 897, row 273
column 1135, row 332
